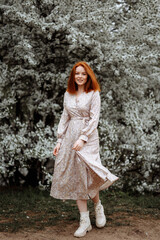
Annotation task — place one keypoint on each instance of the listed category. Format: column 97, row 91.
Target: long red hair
column 91, row 84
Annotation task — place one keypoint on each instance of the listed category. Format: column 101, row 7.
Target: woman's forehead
column 80, row 68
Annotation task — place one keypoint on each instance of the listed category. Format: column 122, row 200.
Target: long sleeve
column 63, row 123
column 94, row 117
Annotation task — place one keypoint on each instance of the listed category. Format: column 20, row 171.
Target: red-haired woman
column 78, row 172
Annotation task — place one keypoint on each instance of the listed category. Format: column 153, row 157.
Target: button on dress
column 79, row 174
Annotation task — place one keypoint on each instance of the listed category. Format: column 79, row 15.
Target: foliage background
column 40, row 42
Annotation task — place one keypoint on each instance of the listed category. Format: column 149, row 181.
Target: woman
column 78, row 172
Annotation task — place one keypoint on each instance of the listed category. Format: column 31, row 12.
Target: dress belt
column 84, row 119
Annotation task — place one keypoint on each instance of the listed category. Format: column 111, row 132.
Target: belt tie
column 84, row 119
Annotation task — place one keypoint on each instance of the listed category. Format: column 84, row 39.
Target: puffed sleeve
column 94, row 117
column 64, row 121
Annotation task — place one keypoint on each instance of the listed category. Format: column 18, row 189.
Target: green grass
column 33, row 208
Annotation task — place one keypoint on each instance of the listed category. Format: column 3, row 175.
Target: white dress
column 79, row 174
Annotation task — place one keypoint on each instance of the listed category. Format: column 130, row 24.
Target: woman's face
column 80, row 75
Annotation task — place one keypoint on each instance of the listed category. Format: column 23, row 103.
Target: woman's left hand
column 78, row 145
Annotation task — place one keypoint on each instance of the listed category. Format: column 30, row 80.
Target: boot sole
column 102, row 225
column 84, row 233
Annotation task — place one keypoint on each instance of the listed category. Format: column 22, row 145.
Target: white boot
column 100, row 217
column 85, row 225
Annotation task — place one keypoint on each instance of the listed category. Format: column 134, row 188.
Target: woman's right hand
column 56, row 149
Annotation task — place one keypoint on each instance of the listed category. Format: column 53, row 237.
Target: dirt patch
column 139, row 228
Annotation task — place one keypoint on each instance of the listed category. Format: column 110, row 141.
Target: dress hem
column 69, row 198
column 103, row 187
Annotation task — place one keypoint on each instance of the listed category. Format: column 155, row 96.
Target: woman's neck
column 80, row 89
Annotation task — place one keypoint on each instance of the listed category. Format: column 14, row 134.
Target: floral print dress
column 79, row 174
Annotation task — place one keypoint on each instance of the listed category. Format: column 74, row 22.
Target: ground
column 138, row 228
column 31, row 214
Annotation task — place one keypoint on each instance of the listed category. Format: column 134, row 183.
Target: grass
column 33, row 208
